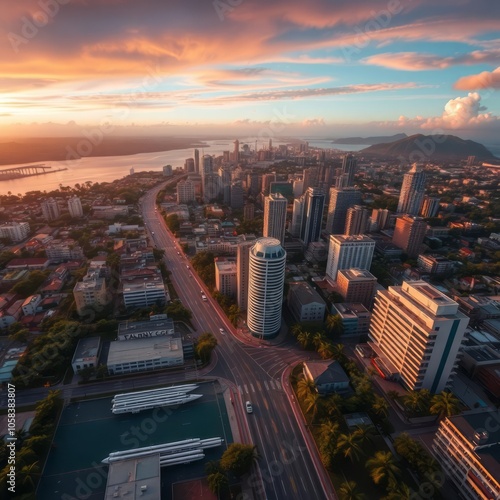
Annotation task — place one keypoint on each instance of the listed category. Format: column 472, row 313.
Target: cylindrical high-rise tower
column 265, row 287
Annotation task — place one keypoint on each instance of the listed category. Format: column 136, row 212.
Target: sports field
column 88, row 432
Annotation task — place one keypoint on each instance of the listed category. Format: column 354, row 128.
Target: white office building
column 418, row 331
column 186, row 192
column 265, row 289
column 346, row 252
column 275, row 216
column 75, row 207
column 225, row 276
column 15, row 231
column 50, row 209
column 140, row 291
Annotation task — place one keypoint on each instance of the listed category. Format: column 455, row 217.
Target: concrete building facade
column 419, row 331
column 346, row 252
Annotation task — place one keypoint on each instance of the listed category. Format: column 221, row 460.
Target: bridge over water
column 27, row 171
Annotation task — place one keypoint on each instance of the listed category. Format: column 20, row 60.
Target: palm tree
column 350, row 446
column 338, row 352
column 404, row 445
column 444, row 404
column 328, row 431
column 212, row 466
column 313, row 403
column 394, row 395
column 333, row 405
column 21, row 436
column 296, row 329
column 380, row 407
column 365, row 434
column 334, row 324
column 348, row 491
column 217, row 482
column 416, row 401
column 234, row 315
column 382, row 467
column 317, row 339
column 325, row 350
column 305, row 387
column 28, row 475
column 398, row 491
column 305, row 339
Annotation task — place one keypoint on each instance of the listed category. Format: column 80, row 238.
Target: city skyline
column 280, row 69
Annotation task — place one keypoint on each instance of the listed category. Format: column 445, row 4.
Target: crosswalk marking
column 265, row 383
column 278, row 385
column 259, row 386
column 271, row 383
column 246, row 388
column 251, row 386
column 240, row 389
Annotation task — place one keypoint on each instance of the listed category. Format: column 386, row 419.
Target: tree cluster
column 204, row 345
column 203, row 264
column 49, row 354
column 229, row 306
column 237, row 460
column 30, row 285
column 32, row 448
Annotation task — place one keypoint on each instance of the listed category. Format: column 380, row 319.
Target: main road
column 289, row 467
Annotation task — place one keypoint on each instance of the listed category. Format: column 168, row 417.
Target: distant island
column 39, row 149
column 421, row 147
column 370, row 140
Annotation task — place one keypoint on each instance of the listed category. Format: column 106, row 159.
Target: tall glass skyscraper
column 313, row 215
column 412, row 191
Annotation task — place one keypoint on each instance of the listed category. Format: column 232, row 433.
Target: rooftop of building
column 429, row 292
column 482, row 428
column 326, row 372
column 482, row 353
column 143, row 283
column 356, row 274
column 351, row 309
column 225, row 265
column 305, row 293
column 30, row 261
column 134, row 478
column 142, row 349
column 268, row 248
column 87, row 348
column 354, row 238
column 434, row 258
column 89, row 284
column 136, row 327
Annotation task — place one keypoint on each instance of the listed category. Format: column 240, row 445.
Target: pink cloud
column 483, row 80
column 414, row 61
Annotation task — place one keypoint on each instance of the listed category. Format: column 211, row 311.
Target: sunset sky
column 324, row 68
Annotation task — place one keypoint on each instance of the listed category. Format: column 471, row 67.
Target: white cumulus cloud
column 461, row 112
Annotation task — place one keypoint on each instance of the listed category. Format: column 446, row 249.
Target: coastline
column 40, row 149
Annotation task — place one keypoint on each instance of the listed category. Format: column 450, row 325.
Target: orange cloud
column 483, row 80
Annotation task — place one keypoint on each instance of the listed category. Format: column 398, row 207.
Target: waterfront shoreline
column 40, row 149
